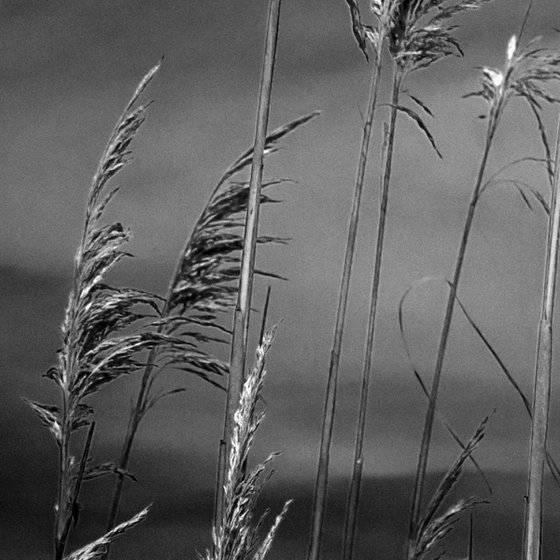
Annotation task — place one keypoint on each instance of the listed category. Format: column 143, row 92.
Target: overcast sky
column 68, row 68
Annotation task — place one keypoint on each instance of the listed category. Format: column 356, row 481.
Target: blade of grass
column 242, row 307
column 543, row 374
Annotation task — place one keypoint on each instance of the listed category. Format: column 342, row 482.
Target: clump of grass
column 526, row 75
column 236, row 534
column 104, row 327
column 417, row 33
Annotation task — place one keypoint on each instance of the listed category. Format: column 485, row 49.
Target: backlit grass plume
column 96, row 348
column 236, row 536
column 202, row 287
column 527, row 75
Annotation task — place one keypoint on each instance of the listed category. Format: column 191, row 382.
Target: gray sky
column 67, row 70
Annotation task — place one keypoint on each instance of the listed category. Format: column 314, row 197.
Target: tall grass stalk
column 242, row 307
column 543, row 375
column 321, row 481
column 352, row 505
column 525, row 73
column 427, row 433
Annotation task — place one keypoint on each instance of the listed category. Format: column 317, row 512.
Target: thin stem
column 321, row 482
column 471, row 538
column 137, row 412
column 61, row 506
column 543, row 373
column 352, row 504
column 132, row 428
column 429, row 421
column 66, row 513
column 264, row 316
column 242, row 308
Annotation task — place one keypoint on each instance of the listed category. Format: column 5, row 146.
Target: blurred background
column 67, row 70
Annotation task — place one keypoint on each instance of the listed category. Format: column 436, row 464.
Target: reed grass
column 526, row 74
column 243, row 305
column 543, row 375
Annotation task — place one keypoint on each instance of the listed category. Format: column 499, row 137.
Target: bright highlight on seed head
column 495, row 76
column 512, row 47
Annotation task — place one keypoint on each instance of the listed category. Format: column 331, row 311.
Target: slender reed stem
column 543, row 372
column 65, row 519
column 352, row 503
column 132, row 428
column 242, row 307
column 264, row 316
column 321, row 482
column 471, row 538
column 429, row 421
column 137, row 412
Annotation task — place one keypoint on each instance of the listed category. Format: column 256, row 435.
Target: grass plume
column 96, row 349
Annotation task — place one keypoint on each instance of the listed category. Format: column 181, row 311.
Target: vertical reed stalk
column 242, row 307
column 63, row 523
column 321, row 482
column 429, row 421
column 352, row 504
column 543, row 372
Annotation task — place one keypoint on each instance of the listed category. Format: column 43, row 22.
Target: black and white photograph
column 278, row 279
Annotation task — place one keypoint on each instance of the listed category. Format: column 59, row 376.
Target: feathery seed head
column 528, row 73
column 237, row 535
column 495, row 76
column 418, row 32
column 94, row 349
